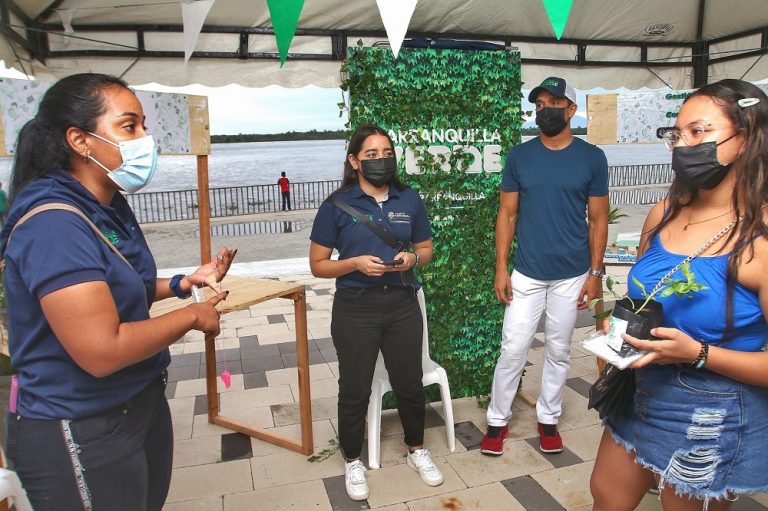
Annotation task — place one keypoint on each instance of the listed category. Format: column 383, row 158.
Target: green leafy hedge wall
column 478, row 92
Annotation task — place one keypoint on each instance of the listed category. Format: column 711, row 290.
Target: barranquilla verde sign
column 453, row 115
column 485, row 154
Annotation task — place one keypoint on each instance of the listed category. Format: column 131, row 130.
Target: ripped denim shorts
column 703, row 433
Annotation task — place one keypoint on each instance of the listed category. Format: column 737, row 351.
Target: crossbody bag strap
column 72, row 209
column 377, row 229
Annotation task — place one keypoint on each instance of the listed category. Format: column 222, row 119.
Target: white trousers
column 529, row 299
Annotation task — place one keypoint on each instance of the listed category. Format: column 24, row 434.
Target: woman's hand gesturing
column 213, row 272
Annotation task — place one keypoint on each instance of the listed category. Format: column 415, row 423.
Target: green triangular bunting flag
column 285, row 16
column 558, row 11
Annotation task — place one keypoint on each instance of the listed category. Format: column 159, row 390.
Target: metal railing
column 640, row 175
column 153, row 207
column 636, row 196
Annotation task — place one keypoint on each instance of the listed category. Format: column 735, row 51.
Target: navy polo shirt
column 403, row 215
column 57, row 249
column 554, row 187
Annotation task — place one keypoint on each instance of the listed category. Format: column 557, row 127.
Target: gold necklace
column 707, row 220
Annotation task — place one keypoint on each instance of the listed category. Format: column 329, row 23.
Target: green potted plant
column 614, row 214
column 638, row 317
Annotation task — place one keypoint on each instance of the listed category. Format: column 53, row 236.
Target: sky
column 234, row 109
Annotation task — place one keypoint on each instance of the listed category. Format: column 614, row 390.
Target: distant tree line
column 325, row 135
column 290, row 135
column 534, row 131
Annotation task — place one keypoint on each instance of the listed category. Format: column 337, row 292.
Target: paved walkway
column 218, row 470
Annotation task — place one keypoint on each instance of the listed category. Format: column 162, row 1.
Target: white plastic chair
column 10, row 488
column 433, row 373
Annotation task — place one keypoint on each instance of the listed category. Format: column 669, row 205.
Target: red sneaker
column 493, row 441
column 549, row 439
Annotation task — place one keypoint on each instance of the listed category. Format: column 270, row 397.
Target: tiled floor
column 218, row 470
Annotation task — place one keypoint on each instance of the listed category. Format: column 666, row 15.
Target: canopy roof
column 653, row 43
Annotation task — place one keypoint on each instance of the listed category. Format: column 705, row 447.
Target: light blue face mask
column 139, row 163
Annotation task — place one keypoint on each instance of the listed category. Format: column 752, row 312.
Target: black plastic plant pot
column 638, row 325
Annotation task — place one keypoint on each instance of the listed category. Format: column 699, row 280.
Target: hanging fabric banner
column 285, row 16
column 396, row 16
column 558, row 12
column 193, row 14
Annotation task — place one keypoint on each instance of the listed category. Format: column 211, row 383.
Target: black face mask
column 551, row 120
column 380, row 171
column 697, row 166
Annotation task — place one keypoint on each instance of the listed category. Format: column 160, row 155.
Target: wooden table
column 244, row 292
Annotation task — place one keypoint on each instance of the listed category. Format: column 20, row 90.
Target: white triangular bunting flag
column 396, row 15
column 66, row 16
column 193, row 13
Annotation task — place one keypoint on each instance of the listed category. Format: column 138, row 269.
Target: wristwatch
column 597, row 273
column 418, row 258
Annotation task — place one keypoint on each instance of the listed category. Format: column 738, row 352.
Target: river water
column 254, row 163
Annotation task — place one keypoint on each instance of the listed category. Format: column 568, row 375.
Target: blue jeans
column 119, row 460
column 363, row 322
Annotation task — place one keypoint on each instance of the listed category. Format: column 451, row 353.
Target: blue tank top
column 703, row 316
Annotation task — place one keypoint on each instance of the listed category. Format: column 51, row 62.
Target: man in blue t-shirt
column 548, row 184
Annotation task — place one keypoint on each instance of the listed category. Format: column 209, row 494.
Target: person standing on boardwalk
column 547, row 185
column 285, row 191
column 375, row 307
column 697, row 423
column 90, row 427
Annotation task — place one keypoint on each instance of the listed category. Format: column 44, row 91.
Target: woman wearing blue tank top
column 699, row 422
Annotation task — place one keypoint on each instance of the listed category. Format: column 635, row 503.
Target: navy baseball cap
column 557, row 87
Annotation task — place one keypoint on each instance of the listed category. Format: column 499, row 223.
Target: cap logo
column 550, row 83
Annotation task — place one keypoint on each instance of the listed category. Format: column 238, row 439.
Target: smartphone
column 394, row 262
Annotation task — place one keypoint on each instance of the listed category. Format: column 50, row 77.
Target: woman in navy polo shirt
column 375, row 306
column 91, row 428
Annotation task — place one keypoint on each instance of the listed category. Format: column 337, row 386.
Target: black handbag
column 612, row 392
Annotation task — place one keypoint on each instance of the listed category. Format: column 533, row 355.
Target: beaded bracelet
column 701, row 360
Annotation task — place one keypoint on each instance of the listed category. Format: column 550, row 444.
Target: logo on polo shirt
column 369, row 216
column 112, row 237
column 398, row 218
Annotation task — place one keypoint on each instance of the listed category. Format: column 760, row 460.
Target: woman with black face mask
column 375, row 306
column 698, row 423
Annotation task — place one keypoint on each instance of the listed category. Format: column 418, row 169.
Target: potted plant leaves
column 614, row 214
column 637, row 317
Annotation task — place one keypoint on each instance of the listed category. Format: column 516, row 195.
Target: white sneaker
column 354, row 480
column 420, row 461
